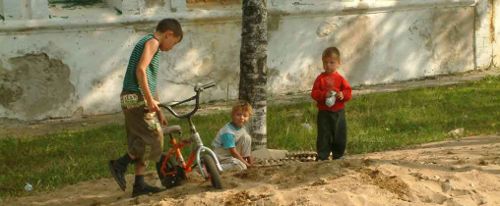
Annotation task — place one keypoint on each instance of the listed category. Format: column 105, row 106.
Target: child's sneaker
column 143, row 189
column 118, row 173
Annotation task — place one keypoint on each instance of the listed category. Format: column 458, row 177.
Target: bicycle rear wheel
column 208, row 163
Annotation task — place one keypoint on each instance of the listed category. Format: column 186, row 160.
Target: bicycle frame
column 195, row 136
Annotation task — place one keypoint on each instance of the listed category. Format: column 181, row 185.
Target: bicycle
column 172, row 167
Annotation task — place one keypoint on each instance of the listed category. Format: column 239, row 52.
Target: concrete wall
column 24, row 9
column 74, row 62
column 494, row 30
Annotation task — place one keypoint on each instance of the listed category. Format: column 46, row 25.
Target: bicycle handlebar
column 201, row 87
column 198, row 89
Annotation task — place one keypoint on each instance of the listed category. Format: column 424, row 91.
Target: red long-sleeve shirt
column 330, row 81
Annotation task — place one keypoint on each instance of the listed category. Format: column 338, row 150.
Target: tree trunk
column 253, row 67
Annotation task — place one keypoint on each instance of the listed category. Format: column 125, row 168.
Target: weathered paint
column 485, row 49
column 376, row 48
column 495, row 44
column 34, row 85
column 380, row 41
column 492, row 20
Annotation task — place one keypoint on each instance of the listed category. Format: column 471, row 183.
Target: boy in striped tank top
column 139, row 102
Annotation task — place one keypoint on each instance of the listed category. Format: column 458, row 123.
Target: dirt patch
column 426, row 175
column 386, row 182
column 241, row 198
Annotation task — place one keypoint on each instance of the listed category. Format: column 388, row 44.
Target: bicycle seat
column 172, row 129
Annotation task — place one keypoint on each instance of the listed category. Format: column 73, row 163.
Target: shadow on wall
column 212, row 56
column 381, row 52
column 99, row 90
column 375, row 47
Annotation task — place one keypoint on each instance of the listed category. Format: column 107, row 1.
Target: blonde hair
column 242, row 106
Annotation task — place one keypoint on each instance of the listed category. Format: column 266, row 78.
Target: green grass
column 376, row 122
column 383, row 121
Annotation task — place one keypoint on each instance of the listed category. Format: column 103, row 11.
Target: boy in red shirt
column 331, row 91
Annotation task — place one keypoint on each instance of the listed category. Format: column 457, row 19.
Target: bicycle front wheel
column 208, row 164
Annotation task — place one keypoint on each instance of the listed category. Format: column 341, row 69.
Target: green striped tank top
column 130, row 82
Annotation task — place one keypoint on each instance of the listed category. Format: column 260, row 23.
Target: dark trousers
column 332, row 134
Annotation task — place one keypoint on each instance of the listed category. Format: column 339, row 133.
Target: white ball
column 28, row 187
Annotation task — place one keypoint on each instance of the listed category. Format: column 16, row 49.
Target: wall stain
column 422, row 30
column 35, row 85
column 492, row 21
column 142, row 28
column 154, row 3
column 355, row 38
column 325, row 29
column 273, row 22
column 452, row 37
column 220, row 2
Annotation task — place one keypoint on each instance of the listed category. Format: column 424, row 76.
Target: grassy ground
column 375, row 122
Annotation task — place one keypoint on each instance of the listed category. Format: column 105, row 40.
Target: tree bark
column 253, row 67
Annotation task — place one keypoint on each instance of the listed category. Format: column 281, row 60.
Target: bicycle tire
column 213, row 173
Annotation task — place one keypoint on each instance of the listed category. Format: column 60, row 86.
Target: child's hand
column 155, row 108
column 248, row 161
column 340, row 95
column 330, row 93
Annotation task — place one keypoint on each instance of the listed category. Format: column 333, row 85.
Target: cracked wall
column 375, row 48
column 79, row 70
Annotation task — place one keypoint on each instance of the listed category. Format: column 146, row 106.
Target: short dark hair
column 331, row 51
column 170, row 25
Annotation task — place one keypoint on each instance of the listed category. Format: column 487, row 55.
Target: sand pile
column 458, row 172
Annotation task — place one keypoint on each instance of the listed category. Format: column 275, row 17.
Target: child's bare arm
column 150, row 48
column 237, row 155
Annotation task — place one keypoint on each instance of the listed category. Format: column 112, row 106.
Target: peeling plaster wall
column 96, row 60
column 375, row 48
column 34, row 85
column 495, row 31
column 93, row 60
column 63, row 68
column 483, row 35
